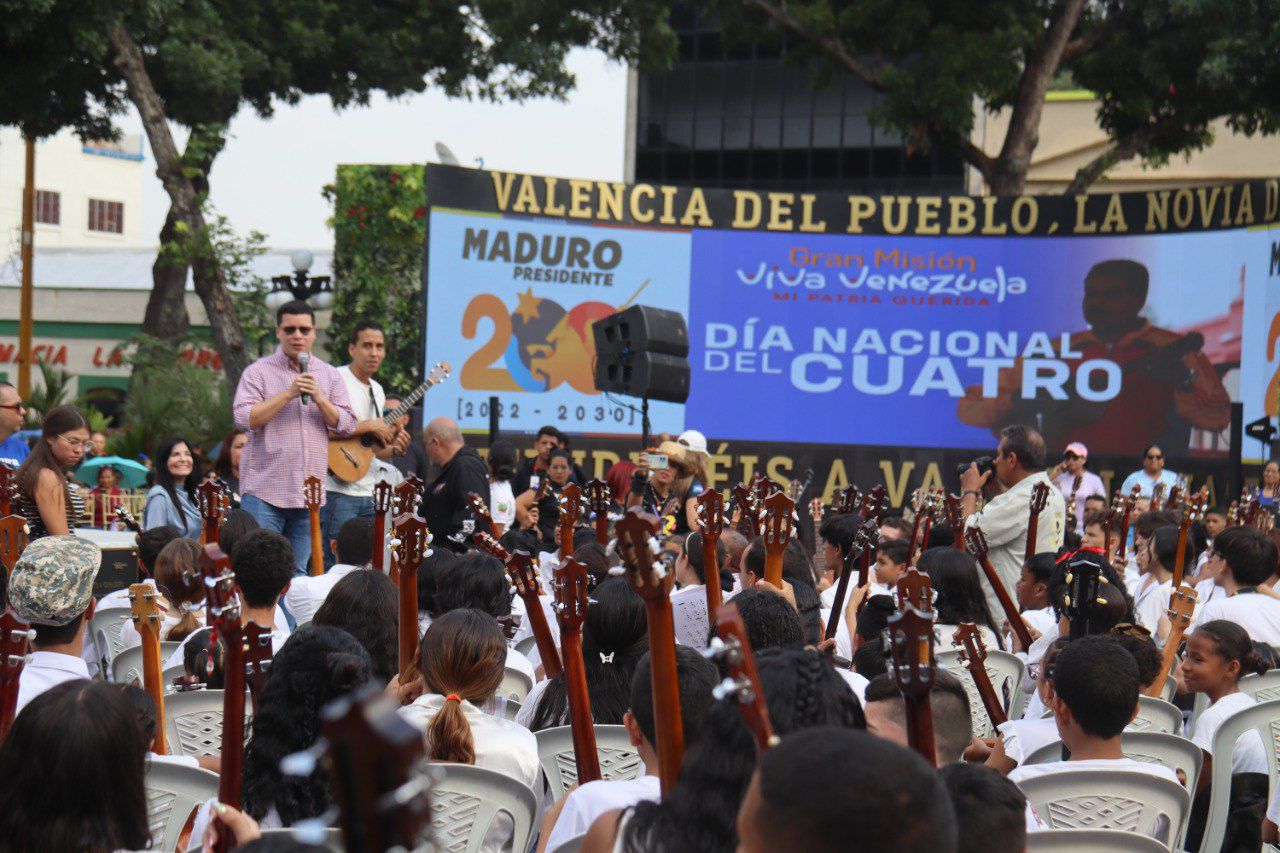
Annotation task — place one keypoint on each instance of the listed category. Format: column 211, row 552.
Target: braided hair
column 802, row 691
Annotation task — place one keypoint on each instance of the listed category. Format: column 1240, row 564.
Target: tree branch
column 1122, row 150
column 829, row 44
column 1087, row 42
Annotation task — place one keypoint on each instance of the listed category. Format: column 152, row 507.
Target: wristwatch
column 977, row 493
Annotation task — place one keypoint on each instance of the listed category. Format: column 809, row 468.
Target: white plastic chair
column 1156, row 715
column 465, row 801
column 1005, row 671
column 515, row 684
column 526, row 645
column 1109, row 799
column 1170, row 688
column 105, row 628
column 1091, row 841
column 618, row 758
column 1169, row 750
column 1264, row 718
column 126, row 667
column 173, row 791
column 193, row 722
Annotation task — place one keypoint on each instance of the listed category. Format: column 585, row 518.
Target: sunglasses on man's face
column 1070, row 457
column 297, row 330
column 1155, row 455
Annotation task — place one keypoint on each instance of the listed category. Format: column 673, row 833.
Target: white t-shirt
column 46, row 670
column 1257, row 613
column 1248, row 756
column 593, row 799
column 129, row 636
column 307, row 593
column 278, row 637
column 1151, row 602
column 502, row 503
column 1023, row 737
column 500, row 745
column 1159, row 831
column 365, row 409
column 1040, row 619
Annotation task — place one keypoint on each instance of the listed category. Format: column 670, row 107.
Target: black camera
column 984, row 463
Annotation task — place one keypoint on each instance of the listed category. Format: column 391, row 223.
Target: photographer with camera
column 1008, row 479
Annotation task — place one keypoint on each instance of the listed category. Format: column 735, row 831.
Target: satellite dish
column 446, row 156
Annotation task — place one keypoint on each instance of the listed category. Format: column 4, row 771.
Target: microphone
column 303, row 358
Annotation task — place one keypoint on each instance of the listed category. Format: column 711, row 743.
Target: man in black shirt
column 445, row 507
column 549, row 438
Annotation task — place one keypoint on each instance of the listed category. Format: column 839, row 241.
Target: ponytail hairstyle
column 503, row 460
column 178, row 577
column 1233, row 644
column 463, row 656
column 57, row 421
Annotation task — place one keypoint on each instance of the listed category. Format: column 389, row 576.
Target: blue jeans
column 338, row 509
column 294, row 523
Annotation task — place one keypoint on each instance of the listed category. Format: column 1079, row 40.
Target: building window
column 48, row 207
column 106, row 216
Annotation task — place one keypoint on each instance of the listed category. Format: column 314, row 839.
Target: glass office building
column 736, row 116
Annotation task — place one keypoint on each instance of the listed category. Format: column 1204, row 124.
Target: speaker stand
column 644, row 423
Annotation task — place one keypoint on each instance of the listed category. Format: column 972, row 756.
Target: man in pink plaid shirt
column 288, row 439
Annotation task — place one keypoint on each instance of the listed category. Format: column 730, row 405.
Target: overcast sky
column 270, row 175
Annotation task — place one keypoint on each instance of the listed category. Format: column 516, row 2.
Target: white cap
column 693, row 440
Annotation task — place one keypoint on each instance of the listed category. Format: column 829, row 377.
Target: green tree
column 198, row 62
column 1163, row 70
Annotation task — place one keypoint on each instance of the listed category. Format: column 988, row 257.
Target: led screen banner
column 1119, row 320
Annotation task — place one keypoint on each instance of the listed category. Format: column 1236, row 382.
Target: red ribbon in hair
column 1090, row 550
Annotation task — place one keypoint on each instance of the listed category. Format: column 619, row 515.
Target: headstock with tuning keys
column 779, row 517
column 523, row 576
column 711, row 513
column 1084, row 583
column 1039, row 500
column 638, row 550
column 480, row 509
column 8, row 489
column 126, row 518
column 973, row 655
column 16, row 637
column 486, row 543
column 379, row 777
column 915, row 589
column 258, row 653
column 544, row 486
column 312, row 492
column 762, row 487
column 213, row 502
column 570, row 505
column 599, row 498
column 571, row 595
column 744, row 503
column 711, row 523
column 874, row 503
column 955, row 520
column 407, row 496
column 733, row 646
column 850, row 500
column 13, row 540
column 382, row 496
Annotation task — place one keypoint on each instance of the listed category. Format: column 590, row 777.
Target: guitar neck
column 229, row 777
column 585, row 756
column 666, row 690
column 711, row 568
column 407, row 586
column 1033, row 533
column 987, row 692
column 1180, row 561
column 1124, row 535
column 317, row 545
column 378, row 555
column 773, row 565
column 407, row 403
column 551, row 664
column 920, row 727
column 837, row 604
column 911, row 545
column 1167, row 658
column 8, row 702
column 1010, row 609
column 602, row 527
column 153, row 682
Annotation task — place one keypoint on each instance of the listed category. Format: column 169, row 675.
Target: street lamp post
column 316, row 290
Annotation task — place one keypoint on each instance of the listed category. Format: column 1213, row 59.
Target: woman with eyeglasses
column 1152, row 474
column 1268, row 494
column 171, row 500
column 51, row 505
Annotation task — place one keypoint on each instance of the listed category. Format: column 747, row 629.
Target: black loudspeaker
column 643, row 352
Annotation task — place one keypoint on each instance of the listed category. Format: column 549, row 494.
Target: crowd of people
column 846, row 772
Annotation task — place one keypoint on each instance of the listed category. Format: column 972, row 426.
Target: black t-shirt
column 445, row 507
column 413, row 462
column 529, row 468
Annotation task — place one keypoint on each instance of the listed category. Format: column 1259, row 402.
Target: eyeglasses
column 1070, row 456
column 1038, row 671
column 1155, row 455
column 77, row 445
column 297, row 330
column 17, row 407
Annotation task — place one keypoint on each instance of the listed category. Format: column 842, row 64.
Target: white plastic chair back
column 1005, row 671
column 526, row 645
column 1264, row 718
column 332, row 837
column 105, row 627
column 1172, row 751
column 126, row 667
column 1263, row 688
column 466, row 799
column 1109, row 799
column 1091, row 841
column 172, row 792
column 515, row 684
column 1170, row 688
column 193, row 722
column 618, row 758
column 572, row 845
column 168, row 674
column 1156, row 715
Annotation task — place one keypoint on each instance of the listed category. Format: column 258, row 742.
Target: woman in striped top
column 51, row 505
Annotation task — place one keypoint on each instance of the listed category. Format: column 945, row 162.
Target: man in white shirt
column 354, row 549
column 1019, row 466
column 573, row 814
column 367, row 348
column 1156, row 587
column 1151, row 474
column 51, row 588
column 1245, row 558
column 1065, row 474
column 1095, row 684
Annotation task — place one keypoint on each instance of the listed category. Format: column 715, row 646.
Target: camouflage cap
column 52, row 582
